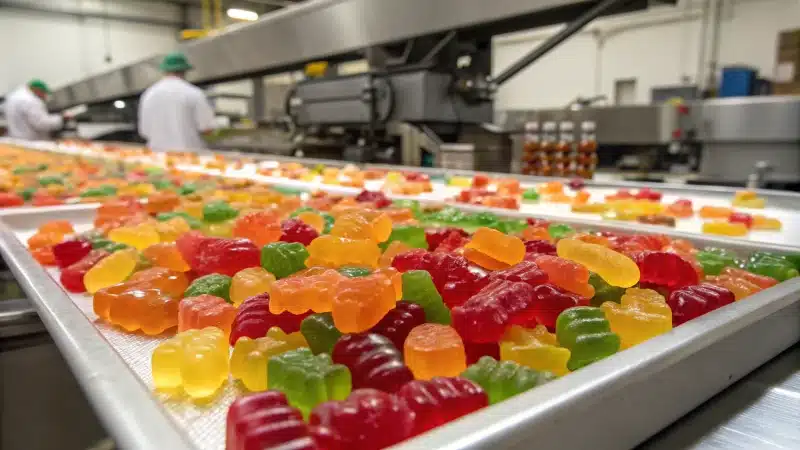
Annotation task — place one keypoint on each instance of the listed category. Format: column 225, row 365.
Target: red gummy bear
column 68, row 253
column 373, row 360
column 539, row 247
column 485, row 317
column 549, row 301
column 436, row 236
column 451, row 243
column 665, row 269
column 377, row 197
column 648, row 194
column 451, row 274
column 225, row 256
column 253, row 319
column 690, row 302
column 265, row 420
column 739, row 217
column 526, row 272
column 189, row 243
column 398, row 322
column 440, row 400
column 72, row 277
column 295, row 230
column 368, row 420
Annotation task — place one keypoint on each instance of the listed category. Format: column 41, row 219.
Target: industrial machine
column 429, row 69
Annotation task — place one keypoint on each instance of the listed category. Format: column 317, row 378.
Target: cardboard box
column 787, row 65
column 789, row 39
column 786, row 88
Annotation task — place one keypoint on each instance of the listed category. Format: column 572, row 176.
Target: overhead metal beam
column 89, row 15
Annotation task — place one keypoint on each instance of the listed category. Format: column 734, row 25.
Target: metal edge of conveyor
column 124, row 405
column 624, row 399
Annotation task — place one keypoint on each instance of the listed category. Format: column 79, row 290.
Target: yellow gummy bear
column 640, row 315
column 139, row 237
column 250, row 356
column 111, row 270
column 535, row 348
column 195, row 360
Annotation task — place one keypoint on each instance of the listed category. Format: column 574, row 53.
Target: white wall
column 60, row 49
column 657, row 47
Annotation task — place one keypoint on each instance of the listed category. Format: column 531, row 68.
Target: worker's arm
column 204, row 116
column 41, row 120
column 144, row 127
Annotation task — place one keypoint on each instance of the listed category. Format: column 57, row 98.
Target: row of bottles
column 555, row 152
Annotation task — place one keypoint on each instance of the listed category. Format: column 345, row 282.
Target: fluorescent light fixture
column 119, row 104
column 242, row 14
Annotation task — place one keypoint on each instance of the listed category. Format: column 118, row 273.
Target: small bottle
column 564, row 149
column 588, row 142
column 548, row 147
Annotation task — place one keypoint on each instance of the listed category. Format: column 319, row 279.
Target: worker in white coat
column 173, row 113
column 26, row 113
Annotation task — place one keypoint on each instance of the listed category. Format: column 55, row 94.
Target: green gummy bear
column 287, row 190
column 511, row 226
column 187, row 188
column 218, row 211
column 604, row 292
column 193, row 222
column 100, row 191
column 559, row 230
column 213, row 284
column 771, row 265
column 418, row 288
column 713, row 260
column 793, row 258
column 320, row 332
column 108, row 245
column 283, row 258
column 51, row 179
column 504, row 379
column 530, row 195
column 354, row 272
column 27, row 193
column 162, row 184
column 411, row 235
column 308, row 380
column 585, row 331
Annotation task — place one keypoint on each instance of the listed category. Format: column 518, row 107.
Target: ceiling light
column 119, row 104
column 242, row 14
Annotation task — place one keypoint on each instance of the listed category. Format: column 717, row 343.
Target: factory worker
column 173, row 113
column 26, row 113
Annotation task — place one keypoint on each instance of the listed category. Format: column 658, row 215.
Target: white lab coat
column 172, row 115
column 27, row 116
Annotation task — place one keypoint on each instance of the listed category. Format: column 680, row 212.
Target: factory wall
column 659, row 47
column 61, row 41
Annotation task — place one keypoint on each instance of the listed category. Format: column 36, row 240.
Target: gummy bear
column 360, row 303
column 504, row 379
column 298, row 295
column 771, row 265
column 283, row 259
column 205, row 311
column 218, row 211
column 411, row 235
column 641, row 315
column 320, row 332
column 418, row 288
column 690, row 302
column 332, row 251
column 434, row 350
column 373, row 360
column 363, row 224
column 368, row 420
column 249, row 283
column 224, row 256
column 398, row 323
column 250, row 356
column 437, row 236
column 195, row 360
column 496, row 245
column 451, row 274
column 587, row 334
column 139, row 237
column 306, row 379
column 713, row 260
column 604, row 292
column 72, row 277
column 214, row 284
column 265, row 420
column 69, row 252
column 536, row 348
column 110, row 270
column 566, row 274
column 253, row 319
column 166, row 255
column 440, row 400
column 261, row 227
column 136, row 308
column 539, row 247
column 615, row 268
column 665, row 269
column 485, row 316
column 295, row 230
column 526, row 272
